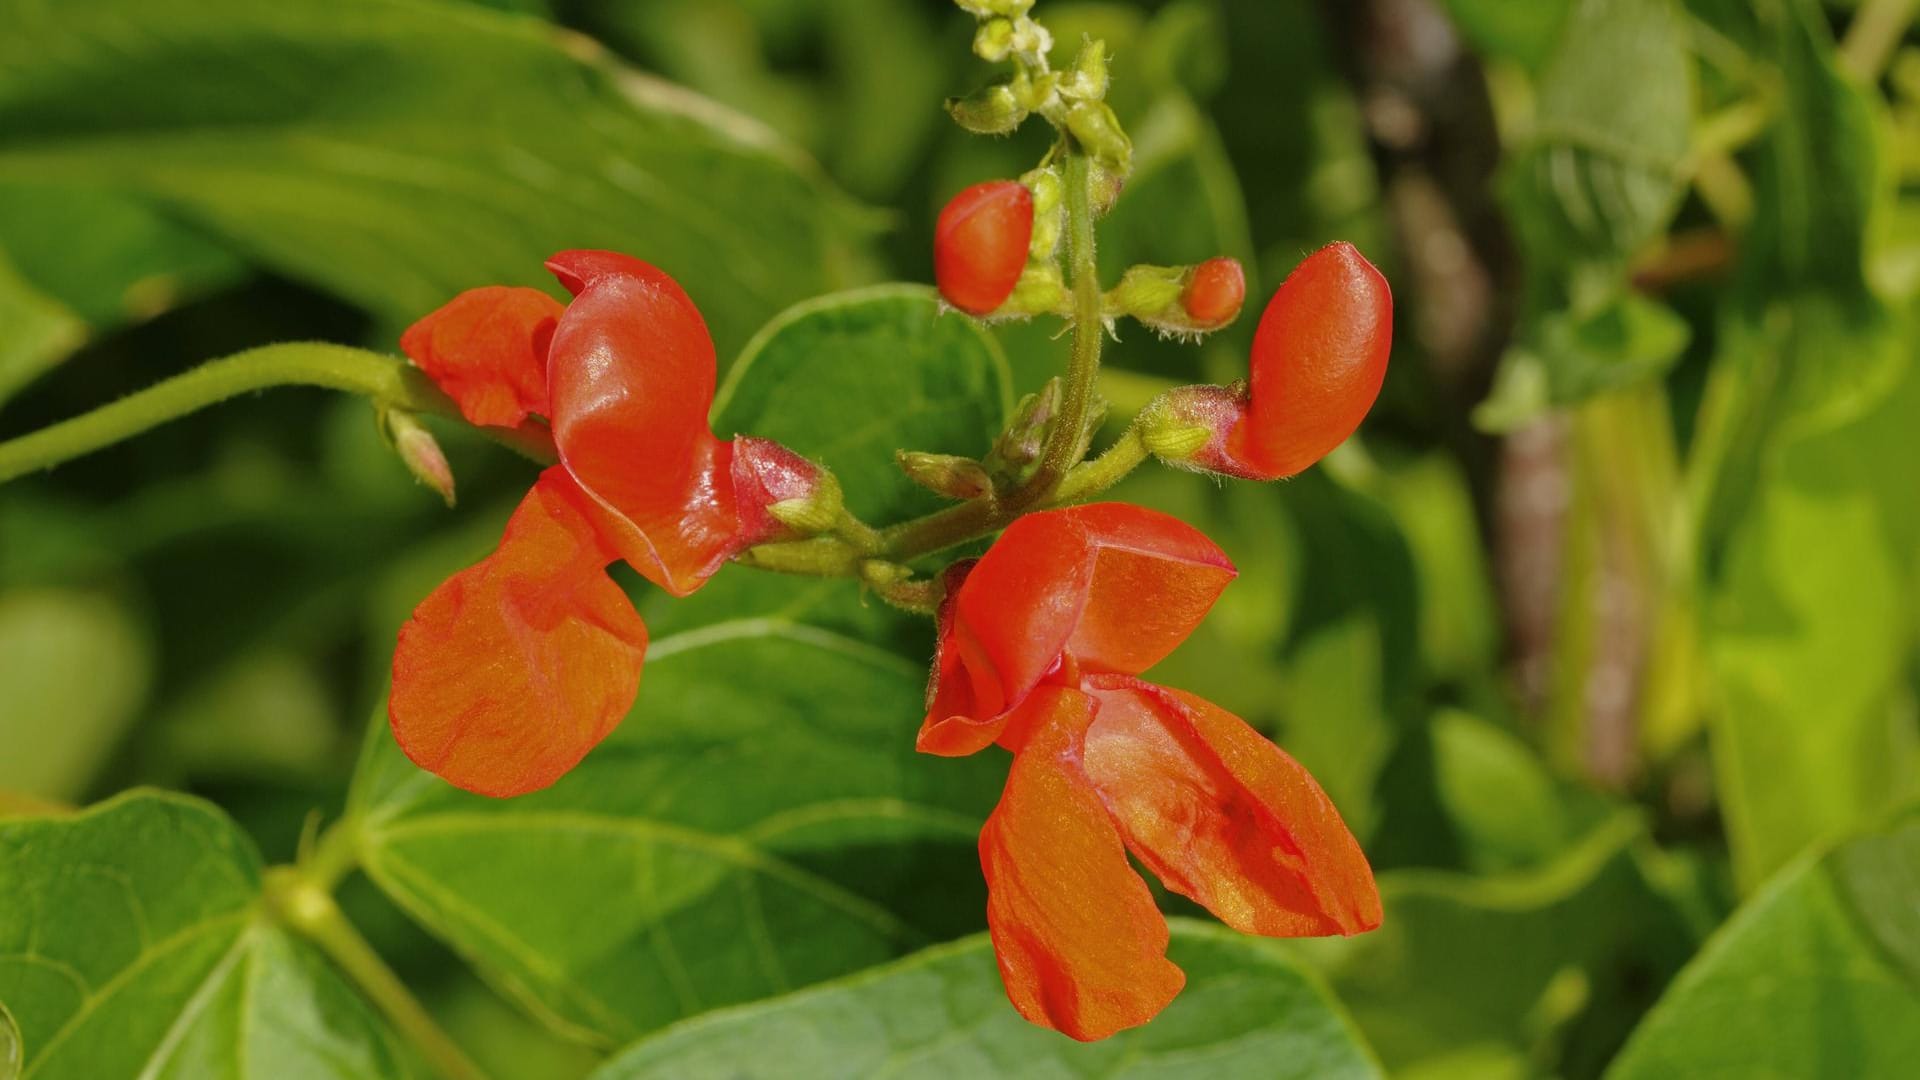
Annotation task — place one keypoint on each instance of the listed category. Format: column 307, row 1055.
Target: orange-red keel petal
column 487, row 349
column 1082, row 949
column 510, row 671
column 1223, row 816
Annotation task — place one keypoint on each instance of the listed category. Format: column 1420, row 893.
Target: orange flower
column 1040, row 643
column 510, row 671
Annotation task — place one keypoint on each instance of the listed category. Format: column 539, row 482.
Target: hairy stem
column 384, row 379
column 308, row 909
column 1066, row 439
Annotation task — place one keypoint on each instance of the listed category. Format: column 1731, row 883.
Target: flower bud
column 980, row 245
column 993, row 42
column 987, row 9
column 1097, row 129
column 1188, row 428
column 1087, row 80
column 1181, row 299
column 948, row 475
column 1020, row 444
column 991, row 110
column 420, row 452
column 779, row 492
column 1215, row 291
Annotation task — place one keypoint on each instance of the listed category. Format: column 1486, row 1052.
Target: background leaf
column 1245, row 1011
column 132, row 942
column 1801, row 981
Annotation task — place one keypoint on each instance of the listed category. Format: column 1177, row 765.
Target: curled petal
column 1319, row 358
column 1106, row 587
column 510, row 671
column 1082, row 949
column 1225, row 817
column 631, row 379
column 487, row 349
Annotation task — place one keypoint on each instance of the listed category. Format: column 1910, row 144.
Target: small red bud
column 1215, row 292
column 980, row 245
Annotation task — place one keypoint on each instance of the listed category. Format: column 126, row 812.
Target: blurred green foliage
column 1603, row 635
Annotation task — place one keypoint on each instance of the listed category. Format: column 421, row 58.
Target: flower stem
column 384, row 379
column 308, row 909
column 1066, row 439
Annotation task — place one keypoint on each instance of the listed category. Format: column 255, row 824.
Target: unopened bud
column 420, row 451
column 1087, row 81
column 948, row 475
column 1020, row 445
column 1181, row 299
column 986, row 9
column 993, row 42
column 1188, row 427
column 1097, row 129
column 777, row 490
column 991, row 110
column 1106, row 186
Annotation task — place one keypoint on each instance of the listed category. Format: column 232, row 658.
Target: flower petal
column 1082, row 949
column 1105, row 587
column 487, row 348
column 1221, row 815
column 631, row 379
column 510, row 671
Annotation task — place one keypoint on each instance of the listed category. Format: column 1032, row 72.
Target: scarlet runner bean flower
column 980, row 245
column 1040, row 645
column 510, row 671
column 1319, row 358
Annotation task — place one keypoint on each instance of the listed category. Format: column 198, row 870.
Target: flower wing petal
column 631, row 379
column 1224, row 816
column 1081, row 947
column 487, row 349
column 1154, row 578
column 510, row 671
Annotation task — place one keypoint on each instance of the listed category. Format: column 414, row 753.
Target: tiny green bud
column 1040, row 291
column 1106, row 185
column 991, row 110
column 816, row 512
column 950, row 475
column 1049, row 211
column 986, row 9
column 1019, row 445
column 420, row 452
column 1088, row 80
column 993, row 42
column 1096, row 128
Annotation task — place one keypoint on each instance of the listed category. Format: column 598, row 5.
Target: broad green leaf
column 38, row 333
column 855, row 376
column 1600, row 169
column 1570, row 357
column 1815, row 976
column 1812, row 635
column 1505, row 967
column 107, row 256
column 1246, row 1011
column 76, row 668
column 761, row 821
column 133, row 943
column 396, row 151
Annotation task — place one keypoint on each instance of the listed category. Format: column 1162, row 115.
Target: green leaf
column 762, row 820
column 1246, row 1011
column 1600, row 171
column 76, row 669
column 1507, row 966
column 1568, row 358
column 1524, row 31
column 1814, row 976
column 132, row 943
column 394, row 153
column 855, row 376
column 40, row 332
column 1811, row 638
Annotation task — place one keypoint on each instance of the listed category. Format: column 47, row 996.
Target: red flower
column 1319, row 359
column 510, row 671
column 1040, row 643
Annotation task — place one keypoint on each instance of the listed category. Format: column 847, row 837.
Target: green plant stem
column 389, row 382
column 1066, row 439
column 305, row 907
